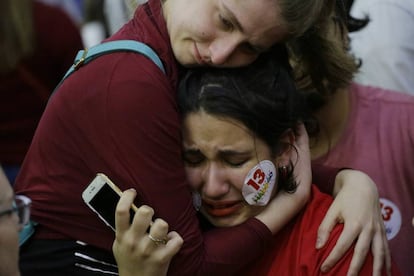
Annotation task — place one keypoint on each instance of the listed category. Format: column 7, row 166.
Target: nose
column 222, row 49
column 214, row 182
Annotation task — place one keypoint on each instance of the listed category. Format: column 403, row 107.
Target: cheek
column 237, row 177
column 9, row 240
column 193, row 177
column 240, row 58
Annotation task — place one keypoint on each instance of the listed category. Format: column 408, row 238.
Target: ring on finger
column 157, row 241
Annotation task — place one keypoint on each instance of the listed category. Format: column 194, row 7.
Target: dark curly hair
column 262, row 96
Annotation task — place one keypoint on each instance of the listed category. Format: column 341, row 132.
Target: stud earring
column 283, row 172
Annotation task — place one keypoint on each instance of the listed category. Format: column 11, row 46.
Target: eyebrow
column 191, row 151
column 223, row 153
column 236, row 22
column 233, row 18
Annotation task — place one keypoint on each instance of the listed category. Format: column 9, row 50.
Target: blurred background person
column 385, row 43
column 73, row 8
column 14, row 212
column 103, row 18
column 369, row 128
column 39, row 43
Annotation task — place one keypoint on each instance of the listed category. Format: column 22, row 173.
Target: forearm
column 324, row 177
column 284, row 207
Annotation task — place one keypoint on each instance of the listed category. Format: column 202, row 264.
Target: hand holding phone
column 102, row 196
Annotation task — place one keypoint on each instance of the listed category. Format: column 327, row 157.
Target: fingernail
column 324, row 268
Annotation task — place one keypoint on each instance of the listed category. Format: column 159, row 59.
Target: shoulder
column 382, row 96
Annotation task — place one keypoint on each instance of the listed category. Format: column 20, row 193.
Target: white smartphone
column 102, row 196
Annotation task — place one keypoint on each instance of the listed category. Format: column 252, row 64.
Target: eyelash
column 250, row 50
column 226, row 23
column 236, row 164
column 192, row 163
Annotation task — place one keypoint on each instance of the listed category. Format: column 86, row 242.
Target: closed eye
column 226, row 23
column 193, row 158
column 235, row 162
column 235, row 158
column 251, row 50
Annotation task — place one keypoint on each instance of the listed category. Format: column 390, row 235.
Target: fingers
column 175, row 242
column 387, row 256
column 357, row 205
column 360, row 252
column 381, row 253
column 142, row 219
column 137, row 251
column 343, row 243
column 158, row 232
column 122, row 215
column 324, row 230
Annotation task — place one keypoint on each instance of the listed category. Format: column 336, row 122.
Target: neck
column 332, row 121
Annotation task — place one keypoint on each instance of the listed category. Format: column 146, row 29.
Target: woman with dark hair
column 239, row 128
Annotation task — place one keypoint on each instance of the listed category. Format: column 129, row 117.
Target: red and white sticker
column 391, row 216
column 260, row 183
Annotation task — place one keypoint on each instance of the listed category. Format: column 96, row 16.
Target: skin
column 228, row 33
column 9, row 231
column 216, row 165
column 132, row 246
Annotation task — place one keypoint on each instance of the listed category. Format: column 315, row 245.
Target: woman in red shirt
column 239, row 129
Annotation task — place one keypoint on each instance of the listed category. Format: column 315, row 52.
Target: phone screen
column 104, row 202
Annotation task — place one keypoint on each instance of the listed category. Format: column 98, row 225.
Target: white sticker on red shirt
column 260, row 183
column 391, row 216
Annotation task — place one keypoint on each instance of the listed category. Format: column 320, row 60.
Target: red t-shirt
column 293, row 249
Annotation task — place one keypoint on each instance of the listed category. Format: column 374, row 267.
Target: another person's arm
column 356, row 205
column 142, row 126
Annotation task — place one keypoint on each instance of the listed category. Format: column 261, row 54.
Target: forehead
column 261, row 20
column 208, row 131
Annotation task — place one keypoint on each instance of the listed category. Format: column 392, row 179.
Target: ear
column 287, row 142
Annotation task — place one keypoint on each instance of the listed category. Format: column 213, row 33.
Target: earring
column 196, row 200
column 283, row 172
